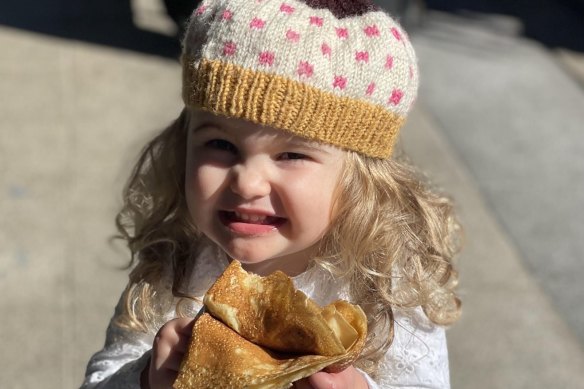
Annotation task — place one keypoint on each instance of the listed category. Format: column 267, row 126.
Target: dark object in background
column 102, row 22
column 180, row 12
column 555, row 23
column 408, row 12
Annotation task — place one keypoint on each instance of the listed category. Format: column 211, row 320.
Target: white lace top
column 417, row 358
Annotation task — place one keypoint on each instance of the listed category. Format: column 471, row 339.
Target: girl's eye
column 222, row 145
column 292, row 156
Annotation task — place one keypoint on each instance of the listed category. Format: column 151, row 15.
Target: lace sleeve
column 119, row 364
column 418, row 356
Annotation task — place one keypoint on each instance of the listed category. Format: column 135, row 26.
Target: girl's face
column 262, row 195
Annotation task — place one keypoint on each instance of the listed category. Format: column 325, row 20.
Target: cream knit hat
column 340, row 72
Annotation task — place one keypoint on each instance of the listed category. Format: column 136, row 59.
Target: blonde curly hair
column 392, row 237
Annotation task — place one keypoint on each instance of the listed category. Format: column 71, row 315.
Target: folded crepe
column 260, row 332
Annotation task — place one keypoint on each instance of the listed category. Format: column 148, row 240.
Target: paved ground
column 493, row 111
column 517, row 126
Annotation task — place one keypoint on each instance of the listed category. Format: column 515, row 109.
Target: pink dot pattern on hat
column 366, row 56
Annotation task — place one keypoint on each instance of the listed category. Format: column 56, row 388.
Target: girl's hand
column 170, row 345
column 349, row 378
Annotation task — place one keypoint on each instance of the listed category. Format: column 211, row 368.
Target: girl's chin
column 264, row 267
column 252, row 251
column 248, row 262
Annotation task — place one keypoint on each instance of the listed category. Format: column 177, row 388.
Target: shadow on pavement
column 105, row 22
column 555, row 23
column 110, row 22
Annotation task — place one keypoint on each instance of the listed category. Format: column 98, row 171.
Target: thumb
column 321, row 380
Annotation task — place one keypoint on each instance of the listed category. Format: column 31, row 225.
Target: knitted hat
column 340, row 72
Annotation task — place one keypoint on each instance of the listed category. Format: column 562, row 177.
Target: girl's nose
column 249, row 182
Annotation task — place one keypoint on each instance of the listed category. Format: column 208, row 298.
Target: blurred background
column 499, row 125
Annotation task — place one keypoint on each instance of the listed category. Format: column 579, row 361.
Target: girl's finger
column 172, row 338
column 172, row 361
column 321, row 380
column 184, row 326
column 185, row 330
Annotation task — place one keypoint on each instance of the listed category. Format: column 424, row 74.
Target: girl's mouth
column 250, row 224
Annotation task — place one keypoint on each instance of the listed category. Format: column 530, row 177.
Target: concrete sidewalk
column 510, row 335
column 514, row 115
column 74, row 116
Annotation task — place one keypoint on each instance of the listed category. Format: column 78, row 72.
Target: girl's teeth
column 250, row 218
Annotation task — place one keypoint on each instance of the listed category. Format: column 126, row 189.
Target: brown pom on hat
column 339, row 72
column 344, row 8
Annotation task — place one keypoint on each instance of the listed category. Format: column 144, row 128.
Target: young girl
column 281, row 160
